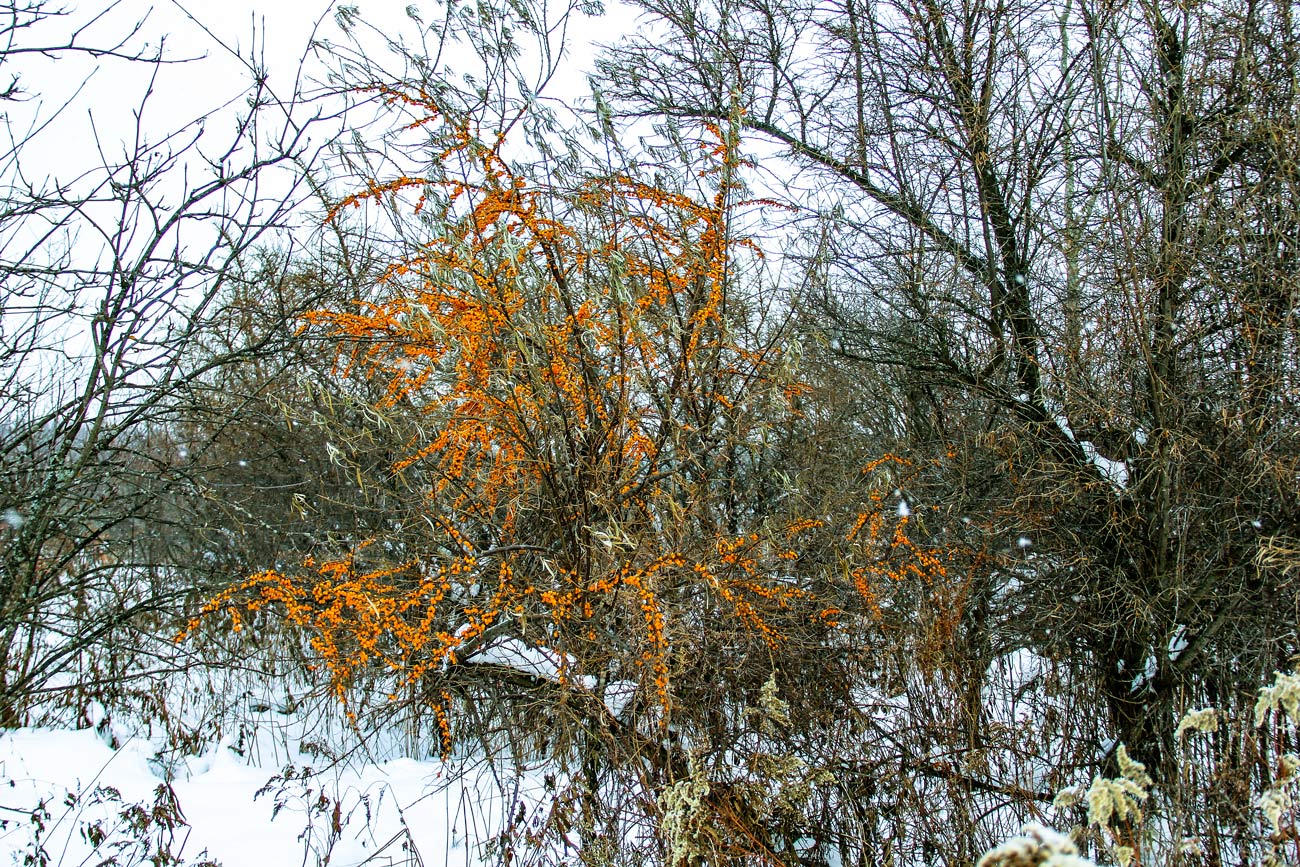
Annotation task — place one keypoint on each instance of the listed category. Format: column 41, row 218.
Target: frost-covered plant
column 1277, row 802
column 699, row 819
column 1277, row 799
column 774, row 710
column 784, row 786
column 1121, row 797
column 684, row 820
column 1283, row 695
column 1203, row 720
column 752, row 801
column 1116, row 805
column 1037, row 846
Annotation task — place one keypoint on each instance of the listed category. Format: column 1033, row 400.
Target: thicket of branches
column 114, row 269
column 839, row 440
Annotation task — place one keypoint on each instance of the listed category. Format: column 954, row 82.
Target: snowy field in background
column 66, row 797
column 247, row 767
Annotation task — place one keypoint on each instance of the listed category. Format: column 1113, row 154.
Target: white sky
column 75, row 106
column 107, row 93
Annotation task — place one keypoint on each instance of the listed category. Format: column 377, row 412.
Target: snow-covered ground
column 67, row 798
column 268, row 785
column 246, row 766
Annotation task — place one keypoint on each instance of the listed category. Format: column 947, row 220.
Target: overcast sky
column 103, row 96
column 77, row 113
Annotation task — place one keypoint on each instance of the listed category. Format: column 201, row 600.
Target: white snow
column 1147, row 674
column 1177, row 642
column 1064, row 424
column 1116, row 472
column 537, row 661
column 1037, row 844
column 618, row 694
column 345, row 816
